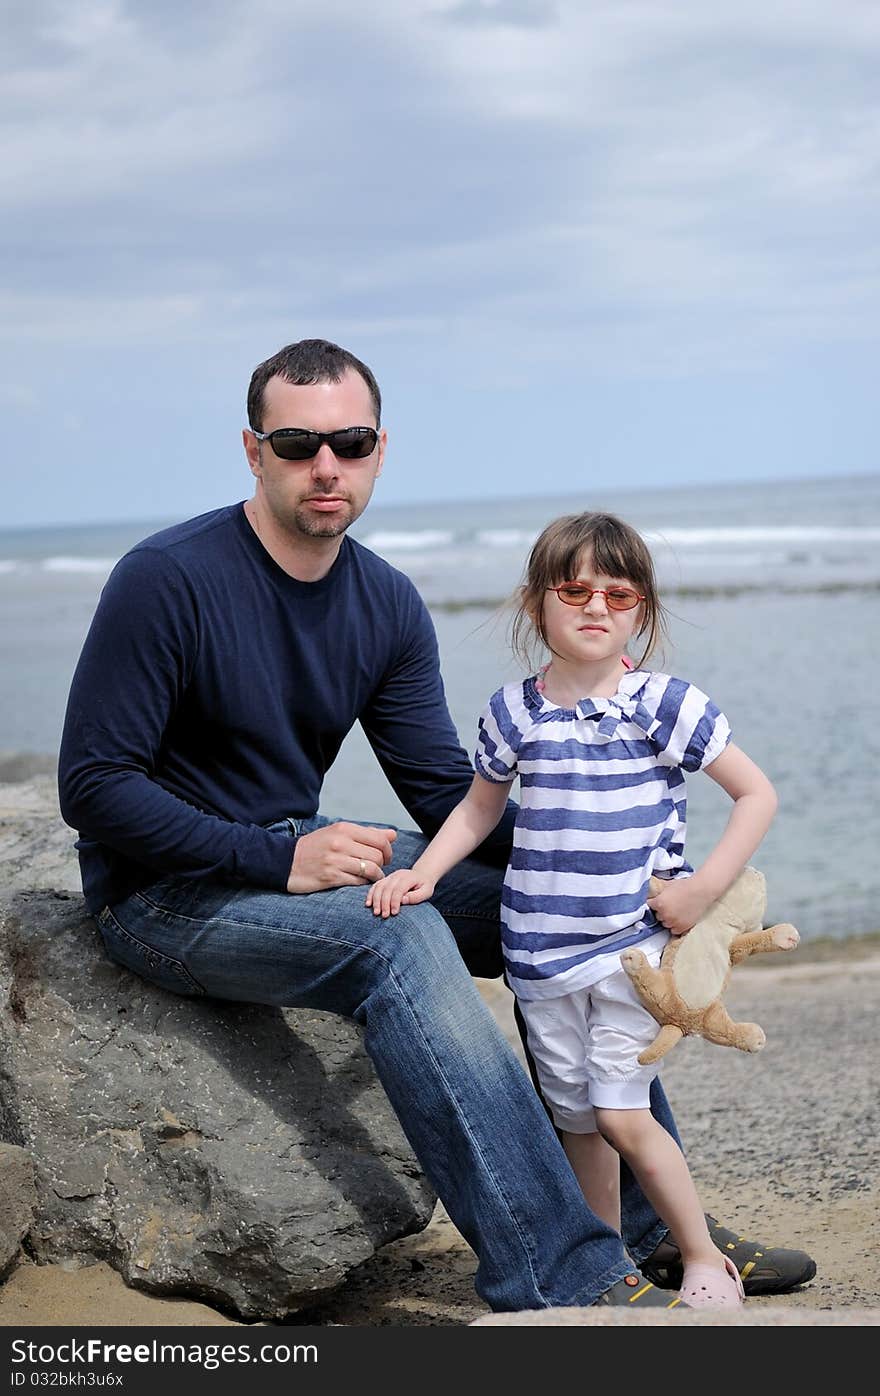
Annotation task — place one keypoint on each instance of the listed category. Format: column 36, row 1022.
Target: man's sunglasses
column 295, row 443
column 616, row 598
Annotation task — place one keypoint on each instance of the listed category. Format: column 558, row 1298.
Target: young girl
column 600, row 745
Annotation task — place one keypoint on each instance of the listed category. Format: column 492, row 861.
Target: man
column 227, row 660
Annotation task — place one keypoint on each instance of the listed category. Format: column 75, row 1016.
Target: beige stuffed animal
column 684, row 994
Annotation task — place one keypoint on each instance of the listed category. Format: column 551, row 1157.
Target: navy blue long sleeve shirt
column 213, row 693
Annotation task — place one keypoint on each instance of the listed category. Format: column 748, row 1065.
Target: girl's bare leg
column 660, row 1167
column 596, row 1166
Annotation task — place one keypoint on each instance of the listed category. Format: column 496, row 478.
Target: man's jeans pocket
column 158, row 968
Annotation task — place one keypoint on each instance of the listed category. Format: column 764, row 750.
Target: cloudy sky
column 627, row 240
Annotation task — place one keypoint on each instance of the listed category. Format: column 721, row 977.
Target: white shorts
column 585, row 1047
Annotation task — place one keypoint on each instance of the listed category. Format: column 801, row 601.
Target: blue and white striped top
column 602, row 807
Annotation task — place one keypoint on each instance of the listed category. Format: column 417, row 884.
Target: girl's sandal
column 707, row 1287
column 764, row 1269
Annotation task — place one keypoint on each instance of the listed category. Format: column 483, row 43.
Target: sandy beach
column 784, row 1145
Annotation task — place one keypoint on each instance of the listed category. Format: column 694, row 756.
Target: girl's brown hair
column 616, row 549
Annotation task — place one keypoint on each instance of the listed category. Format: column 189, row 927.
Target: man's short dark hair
column 308, row 361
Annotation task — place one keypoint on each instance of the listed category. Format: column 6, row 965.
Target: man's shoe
column 635, row 1290
column 764, row 1269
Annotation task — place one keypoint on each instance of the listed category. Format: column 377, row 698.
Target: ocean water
column 774, row 597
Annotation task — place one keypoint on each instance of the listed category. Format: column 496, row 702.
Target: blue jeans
column 473, row 1119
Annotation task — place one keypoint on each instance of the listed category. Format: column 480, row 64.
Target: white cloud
column 703, row 178
column 90, row 320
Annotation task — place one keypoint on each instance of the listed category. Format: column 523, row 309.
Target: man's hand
column 339, row 855
column 680, row 904
column 401, row 888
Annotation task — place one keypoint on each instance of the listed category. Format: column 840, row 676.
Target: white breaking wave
column 506, row 538
column 735, row 547
column 77, row 564
column 745, row 535
column 409, row 542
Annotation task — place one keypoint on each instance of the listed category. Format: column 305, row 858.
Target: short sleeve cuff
column 719, row 739
column 484, row 769
column 498, row 775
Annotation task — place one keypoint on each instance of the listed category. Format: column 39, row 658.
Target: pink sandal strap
column 707, row 1287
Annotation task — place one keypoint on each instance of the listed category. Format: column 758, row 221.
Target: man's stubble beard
column 314, row 526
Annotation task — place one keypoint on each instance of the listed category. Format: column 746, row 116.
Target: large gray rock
column 36, row 846
column 18, row 1199
column 242, row 1155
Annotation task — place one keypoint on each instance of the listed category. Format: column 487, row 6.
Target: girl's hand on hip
column 402, row 888
column 680, row 904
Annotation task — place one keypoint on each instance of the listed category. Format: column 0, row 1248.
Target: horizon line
column 623, row 488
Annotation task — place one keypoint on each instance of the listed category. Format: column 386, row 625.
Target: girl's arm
column 467, row 826
column 683, row 900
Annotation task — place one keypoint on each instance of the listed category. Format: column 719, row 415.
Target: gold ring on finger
column 363, row 868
